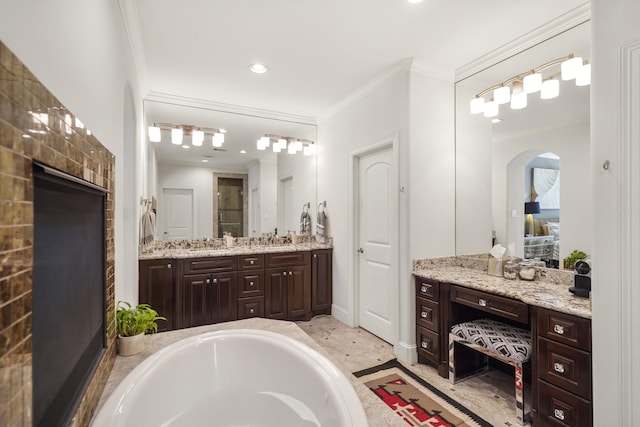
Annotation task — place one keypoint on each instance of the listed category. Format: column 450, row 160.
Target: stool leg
column 519, row 394
column 452, row 368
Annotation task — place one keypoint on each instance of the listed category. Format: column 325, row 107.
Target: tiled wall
column 59, row 141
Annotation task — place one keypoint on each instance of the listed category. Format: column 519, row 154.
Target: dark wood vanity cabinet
column 321, row 281
column 208, row 291
column 288, row 286
column 205, row 290
column 563, row 388
column 156, row 288
column 430, row 339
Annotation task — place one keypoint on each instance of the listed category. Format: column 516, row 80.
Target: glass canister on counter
column 528, row 271
column 511, row 270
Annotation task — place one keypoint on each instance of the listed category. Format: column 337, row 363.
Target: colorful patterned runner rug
column 413, row 399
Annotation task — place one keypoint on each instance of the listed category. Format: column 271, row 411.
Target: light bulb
column 550, row 89
column 260, row 144
column 282, row 143
column 197, row 136
column 276, row 148
column 501, row 95
column 476, row 105
column 217, row 140
column 298, row 145
column 154, row 134
column 176, row 136
column 307, row 150
column 569, row 68
column 491, row 109
column 292, row 148
column 518, row 100
column 584, row 76
column 532, row 83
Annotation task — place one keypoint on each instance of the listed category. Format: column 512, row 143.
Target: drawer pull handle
column 558, row 367
column 424, row 288
column 250, row 283
column 423, row 314
column 290, row 273
column 215, row 280
column 558, row 413
column 208, row 281
column 558, row 329
column 284, row 273
column 251, row 262
column 424, row 344
column 251, row 310
column 168, row 265
column 482, row 302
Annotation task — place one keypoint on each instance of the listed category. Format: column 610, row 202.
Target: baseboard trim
column 406, row 352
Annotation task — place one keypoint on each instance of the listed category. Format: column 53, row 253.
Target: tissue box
column 496, row 267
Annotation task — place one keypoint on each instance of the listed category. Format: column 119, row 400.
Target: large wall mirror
column 508, row 167
column 206, row 191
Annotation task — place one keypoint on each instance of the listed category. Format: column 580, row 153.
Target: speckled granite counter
column 551, row 292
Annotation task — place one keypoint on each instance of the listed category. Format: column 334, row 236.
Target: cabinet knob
column 425, row 288
column 558, row 329
column 251, row 262
column 558, row 367
column 252, row 310
column 207, row 281
column 423, row 314
column 482, row 302
column 284, row 273
column 425, row 344
column 290, row 273
column 250, row 283
column 315, row 255
column 558, row 413
column 215, row 280
column 168, row 265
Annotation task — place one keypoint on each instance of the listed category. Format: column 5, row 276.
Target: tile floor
column 351, row 349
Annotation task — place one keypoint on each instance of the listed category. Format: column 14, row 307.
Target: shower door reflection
column 230, row 210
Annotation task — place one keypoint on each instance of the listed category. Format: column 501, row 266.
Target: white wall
column 303, row 171
column 269, row 196
column 615, row 136
column 572, row 145
column 418, row 110
column 79, row 51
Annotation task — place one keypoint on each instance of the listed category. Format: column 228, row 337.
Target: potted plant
column 132, row 323
column 575, row 256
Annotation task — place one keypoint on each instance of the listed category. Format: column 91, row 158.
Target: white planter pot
column 128, row 346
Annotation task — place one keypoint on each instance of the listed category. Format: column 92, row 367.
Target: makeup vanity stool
column 504, row 342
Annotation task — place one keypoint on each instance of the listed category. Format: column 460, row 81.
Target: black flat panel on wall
column 68, row 294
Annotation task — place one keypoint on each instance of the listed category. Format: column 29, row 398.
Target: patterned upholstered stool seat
column 497, row 340
column 509, row 341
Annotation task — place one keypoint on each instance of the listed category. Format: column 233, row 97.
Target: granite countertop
column 554, row 296
column 199, row 252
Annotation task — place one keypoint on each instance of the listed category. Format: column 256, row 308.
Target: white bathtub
column 236, row 378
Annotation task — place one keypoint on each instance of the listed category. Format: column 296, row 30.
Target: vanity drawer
column 250, row 307
column 428, row 314
column 250, row 284
column 287, row 259
column 557, row 407
column 428, row 344
column 428, row 289
column 565, row 367
column 501, row 306
column 210, row 264
column 565, row 328
column 248, row 262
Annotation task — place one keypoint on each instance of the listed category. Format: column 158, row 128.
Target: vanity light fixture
column 289, row 143
column 516, row 88
column 179, row 131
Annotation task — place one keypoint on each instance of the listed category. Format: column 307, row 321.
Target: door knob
column 360, row 250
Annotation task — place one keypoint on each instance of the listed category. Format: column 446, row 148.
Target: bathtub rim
column 351, row 406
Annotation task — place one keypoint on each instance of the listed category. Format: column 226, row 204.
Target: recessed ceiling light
column 243, row 151
column 258, row 68
column 496, row 120
column 205, row 161
column 186, row 146
column 415, row 1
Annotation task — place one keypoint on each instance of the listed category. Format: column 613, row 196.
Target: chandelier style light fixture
column 178, row 132
column 516, row 89
column 289, row 143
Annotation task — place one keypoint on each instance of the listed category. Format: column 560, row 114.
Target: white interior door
column 377, row 284
column 178, row 215
column 254, row 209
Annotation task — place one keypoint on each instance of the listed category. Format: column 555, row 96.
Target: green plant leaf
column 132, row 321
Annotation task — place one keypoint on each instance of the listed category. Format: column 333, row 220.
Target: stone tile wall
column 34, row 125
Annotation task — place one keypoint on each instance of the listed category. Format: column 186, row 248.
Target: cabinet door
column 225, row 297
column 197, row 300
column 156, row 288
column 299, row 293
column 275, row 294
column 321, row 282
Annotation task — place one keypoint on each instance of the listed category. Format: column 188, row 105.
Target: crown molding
column 562, row 23
column 168, row 98
column 429, row 70
column 131, row 21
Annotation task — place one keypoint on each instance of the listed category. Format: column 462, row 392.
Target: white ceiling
column 318, row 51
